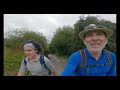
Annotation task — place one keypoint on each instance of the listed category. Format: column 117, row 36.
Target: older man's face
column 95, row 40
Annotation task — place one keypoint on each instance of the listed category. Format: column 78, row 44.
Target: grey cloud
column 45, row 23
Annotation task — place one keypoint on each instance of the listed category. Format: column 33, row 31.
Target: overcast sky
column 45, row 23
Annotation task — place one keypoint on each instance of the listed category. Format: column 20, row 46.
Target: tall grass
column 12, row 61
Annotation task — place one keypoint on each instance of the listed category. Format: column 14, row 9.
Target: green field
column 12, row 61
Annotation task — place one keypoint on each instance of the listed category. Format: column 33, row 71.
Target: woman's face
column 30, row 52
column 95, row 41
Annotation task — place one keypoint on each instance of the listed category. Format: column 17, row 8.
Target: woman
column 31, row 63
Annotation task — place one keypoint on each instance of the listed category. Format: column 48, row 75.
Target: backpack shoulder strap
column 84, row 59
column 42, row 62
column 109, row 57
column 25, row 62
column 46, row 55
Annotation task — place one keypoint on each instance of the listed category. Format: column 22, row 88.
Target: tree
column 61, row 42
column 15, row 38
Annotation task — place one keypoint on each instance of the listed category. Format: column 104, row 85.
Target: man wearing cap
column 95, row 37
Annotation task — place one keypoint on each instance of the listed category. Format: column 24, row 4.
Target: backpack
column 42, row 62
column 46, row 55
column 84, row 60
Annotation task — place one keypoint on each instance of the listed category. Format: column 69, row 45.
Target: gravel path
column 59, row 64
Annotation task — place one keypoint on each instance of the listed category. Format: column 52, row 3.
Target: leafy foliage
column 66, row 39
column 15, row 38
column 61, row 42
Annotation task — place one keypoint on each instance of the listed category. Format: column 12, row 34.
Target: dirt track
column 58, row 63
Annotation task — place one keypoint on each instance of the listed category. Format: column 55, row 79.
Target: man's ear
column 84, row 42
column 106, row 41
